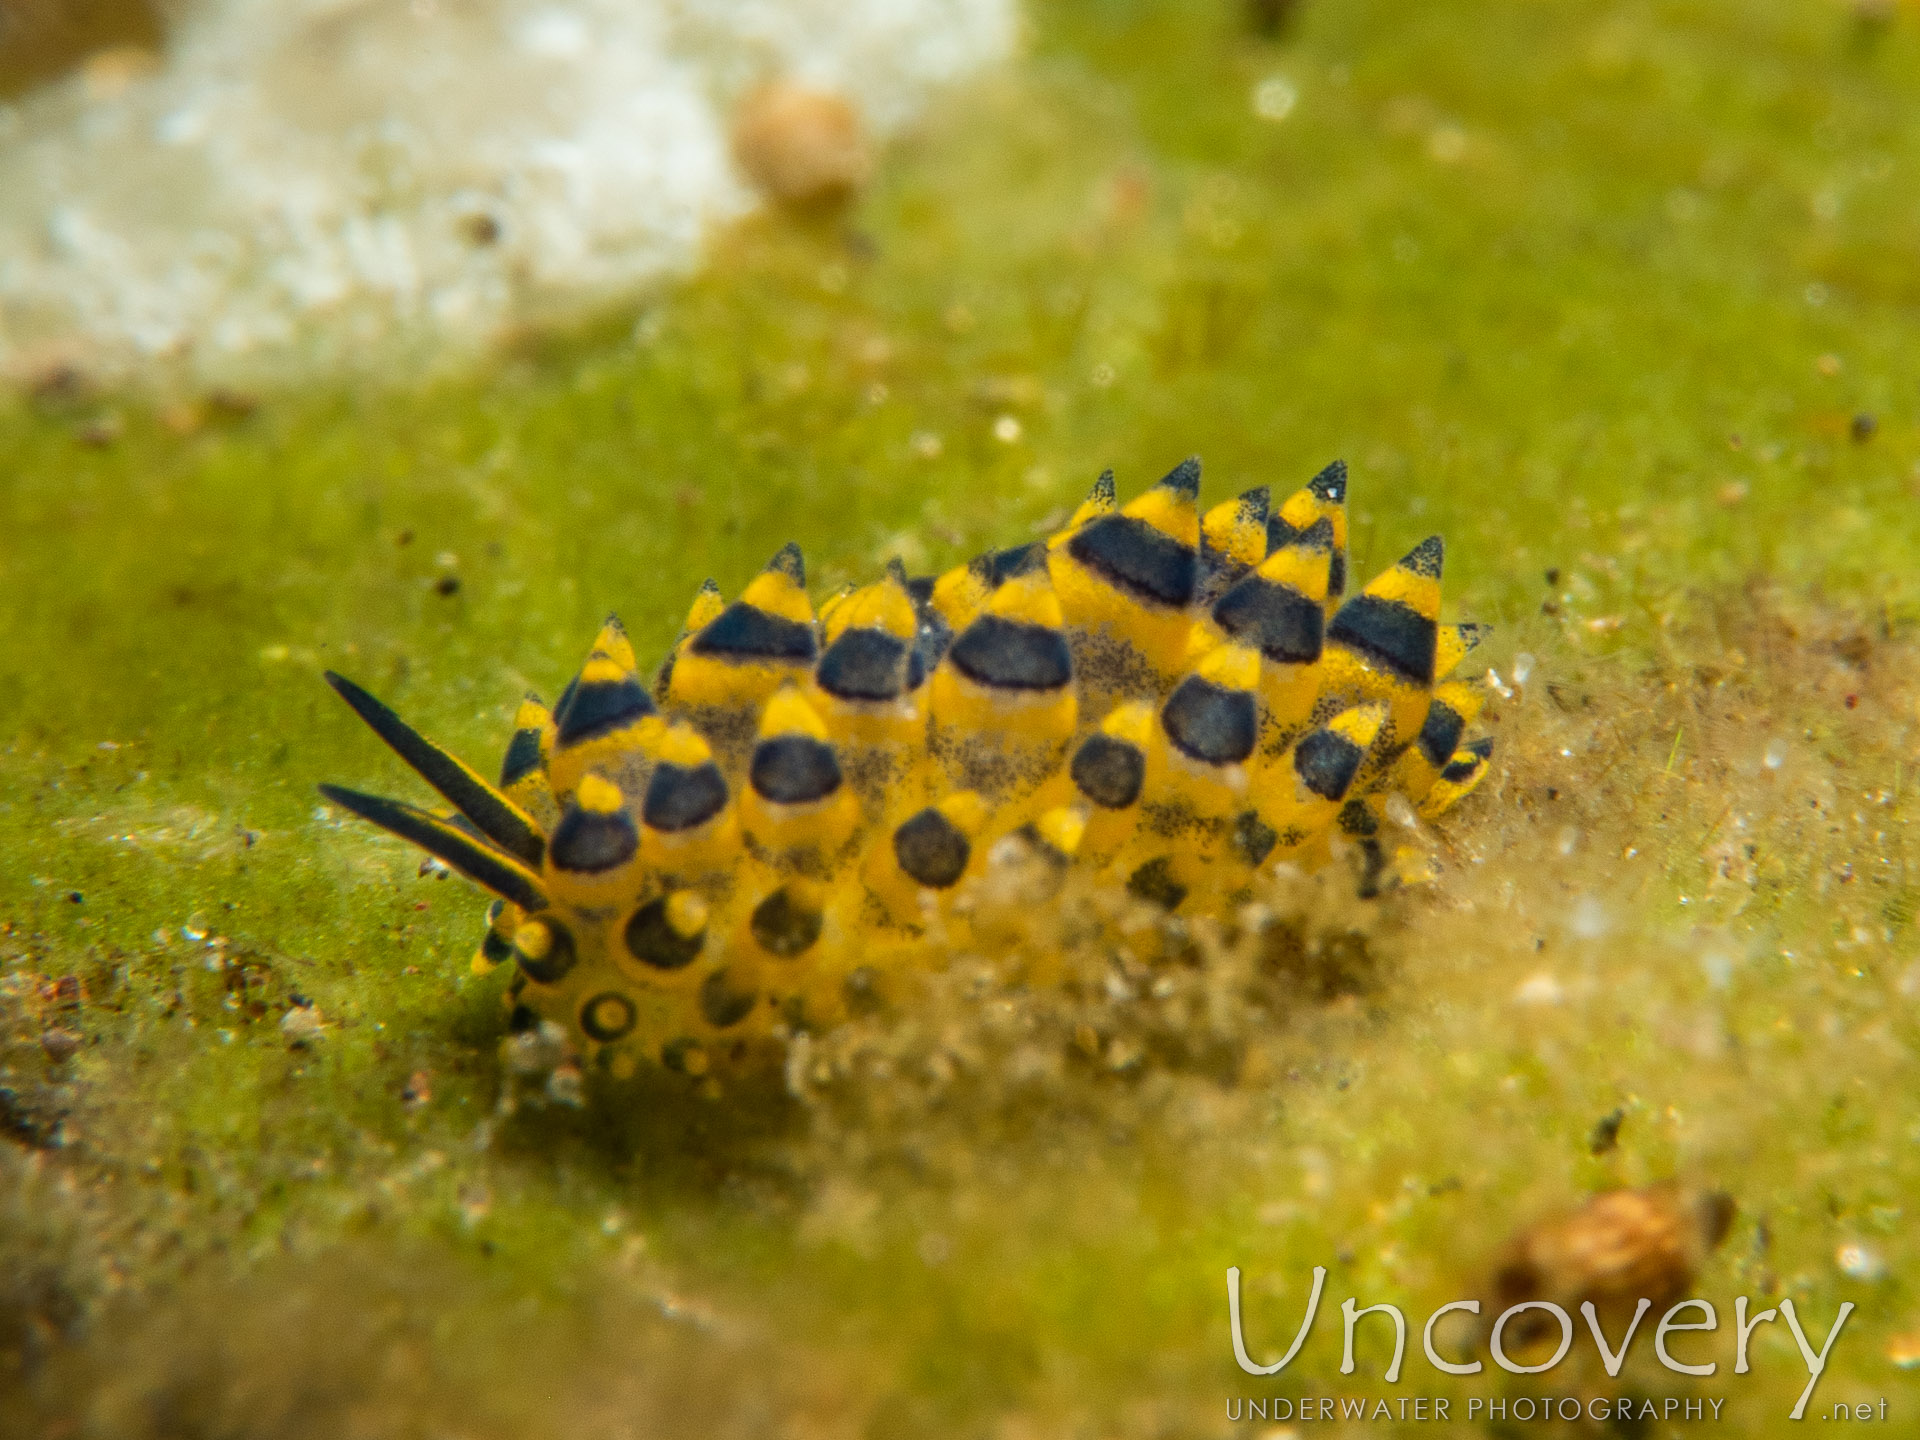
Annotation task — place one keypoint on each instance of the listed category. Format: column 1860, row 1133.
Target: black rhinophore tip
column 1425, row 558
column 1256, row 503
column 1184, row 478
column 1103, row 491
column 1331, row 484
column 791, row 563
column 470, row 855
column 492, row 813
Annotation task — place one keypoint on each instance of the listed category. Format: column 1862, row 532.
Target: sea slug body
column 750, row 845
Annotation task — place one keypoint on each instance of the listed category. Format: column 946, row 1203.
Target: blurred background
column 409, row 337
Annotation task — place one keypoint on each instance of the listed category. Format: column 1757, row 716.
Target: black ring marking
column 1389, row 632
column 1287, row 626
column 1012, row 655
column 680, row 797
column 522, row 757
column 794, row 769
column 746, row 632
column 931, row 849
column 1109, row 771
column 608, row 1016
column 1441, row 733
column 590, row 842
column 1132, row 556
column 1210, row 722
column 1003, row 565
column 1326, row 763
column 594, row 708
column 863, row 664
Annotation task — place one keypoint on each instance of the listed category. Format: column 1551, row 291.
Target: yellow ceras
column 748, row 846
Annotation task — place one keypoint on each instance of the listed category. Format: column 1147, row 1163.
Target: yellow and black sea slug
column 801, row 803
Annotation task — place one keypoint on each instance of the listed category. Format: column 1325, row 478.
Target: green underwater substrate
column 1620, row 300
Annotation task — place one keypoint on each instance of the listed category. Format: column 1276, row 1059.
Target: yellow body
column 798, row 806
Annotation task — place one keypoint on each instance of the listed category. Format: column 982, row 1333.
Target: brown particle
column 447, row 585
column 418, row 1090
column 480, row 228
column 224, row 403
column 1618, row 1248
column 801, row 146
column 59, row 1043
column 1861, row 427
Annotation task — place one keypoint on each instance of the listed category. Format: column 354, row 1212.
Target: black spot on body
column 1358, row 821
column 783, row 926
column 1441, row 733
column 589, row 842
column 1012, row 655
column 1210, row 722
column 1253, row 839
column 608, row 1016
column 522, row 1019
column 680, row 797
column 1390, row 633
column 1287, row 627
column 931, row 849
column 1154, row 883
column 794, row 769
column 1132, row 556
column 522, row 758
column 1326, row 763
column 724, row 1003
column 591, row 709
column 652, row 941
column 744, row 632
column 861, row 990
column 1109, row 771
column 552, row 967
column 864, row 664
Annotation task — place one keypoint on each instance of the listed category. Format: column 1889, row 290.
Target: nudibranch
column 800, row 802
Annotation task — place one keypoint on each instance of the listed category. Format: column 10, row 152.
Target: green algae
column 1591, row 291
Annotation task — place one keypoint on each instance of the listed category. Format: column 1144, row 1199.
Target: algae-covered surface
column 1622, row 299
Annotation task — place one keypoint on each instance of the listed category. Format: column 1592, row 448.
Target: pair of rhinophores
column 752, row 843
